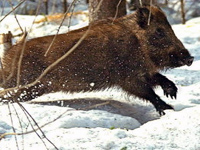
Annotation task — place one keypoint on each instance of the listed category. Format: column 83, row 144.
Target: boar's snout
column 185, row 58
column 189, row 61
column 181, row 58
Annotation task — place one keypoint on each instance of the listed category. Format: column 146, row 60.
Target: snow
column 122, row 122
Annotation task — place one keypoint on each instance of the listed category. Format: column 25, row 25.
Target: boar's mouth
column 181, row 59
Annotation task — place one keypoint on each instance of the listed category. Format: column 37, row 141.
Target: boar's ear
column 142, row 17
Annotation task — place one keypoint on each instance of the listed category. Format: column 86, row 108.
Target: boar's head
column 162, row 46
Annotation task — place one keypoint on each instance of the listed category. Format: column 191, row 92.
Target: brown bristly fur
column 126, row 52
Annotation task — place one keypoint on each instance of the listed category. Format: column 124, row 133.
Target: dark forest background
column 178, row 11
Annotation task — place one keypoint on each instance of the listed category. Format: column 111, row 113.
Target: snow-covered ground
column 125, row 124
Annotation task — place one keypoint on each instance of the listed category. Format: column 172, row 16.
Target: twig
column 149, row 18
column 15, row 16
column 23, row 48
column 12, row 10
column 11, row 119
column 44, row 136
column 42, row 126
column 20, row 123
column 65, row 55
column 117, row 10
column 60, row 59
column 36, row 14
column 54, row 38
column 140, row 1
column 97, row 105
column 39, row 78
column 28, row 132
column 53, row 64
column 70, row 17
column 20, row 61
column 6, row 134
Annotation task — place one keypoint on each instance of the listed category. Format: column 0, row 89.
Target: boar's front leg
column 142, row 89
column 167, row 85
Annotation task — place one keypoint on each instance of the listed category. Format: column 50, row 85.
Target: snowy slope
column 129, row 124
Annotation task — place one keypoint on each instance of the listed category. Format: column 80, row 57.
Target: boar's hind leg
column 168, row 86
column 144, row 91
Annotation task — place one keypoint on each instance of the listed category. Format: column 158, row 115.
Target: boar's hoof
column 170, row 88
column 161, row 107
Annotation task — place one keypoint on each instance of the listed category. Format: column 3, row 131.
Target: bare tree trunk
column 183, row 11
column 64, row 6
column 109, row 8
column 46, row 6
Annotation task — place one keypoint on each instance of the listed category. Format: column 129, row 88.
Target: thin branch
column 140, row 1
column 23, row 48
column 20, row 62
column 60, row 59
column 20, row 123
column 11, row 119
column 96, row 105
column 28, row 132
column 15, row 16
column 36, row 14
column 44, row 136
column 70, row 17
column 3, row 92
column 98, row 6
column 58, row 117
column 54, row 38
column 117, row 10
column 28, row 115
column 12, row 10
column 149, row 18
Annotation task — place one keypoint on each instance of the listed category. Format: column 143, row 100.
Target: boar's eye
column 159, row 33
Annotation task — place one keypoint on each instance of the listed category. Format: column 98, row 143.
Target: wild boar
column 127, row 52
